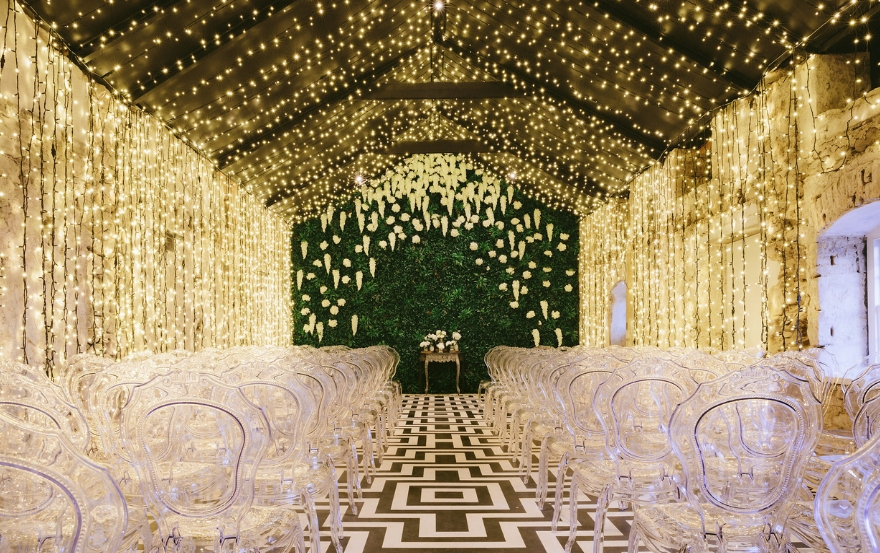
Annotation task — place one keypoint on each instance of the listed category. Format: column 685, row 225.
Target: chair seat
column 672, row 526
column 268, row 527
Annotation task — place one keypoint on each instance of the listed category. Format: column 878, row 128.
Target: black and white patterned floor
column 446, row 484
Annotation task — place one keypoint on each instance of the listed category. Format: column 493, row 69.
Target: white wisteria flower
column 332, row 323
column 479, row 261
column 324, row 245
column 537, row 217
column 527, row 221
column 335, row 278
column 392, row 239
column 299, row 279
column 372, row 267
column 334, row 310
column 536, row 336
column 305, row 311
column 514, row 304
column 549, row 228
column 359, row 279
column 530, row 315
column 546, row 284
column 503, row 286
column 474, row 246
column 343, row 216
column 354, row 325
column 558, row 332
column 325, row 303
column 561, row 247
column 568, row 288
column 544, row 307
column 304, row 246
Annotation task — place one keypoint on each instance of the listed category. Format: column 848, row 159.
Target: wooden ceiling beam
column 444, row 91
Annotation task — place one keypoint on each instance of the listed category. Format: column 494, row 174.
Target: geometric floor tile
column 446, row 484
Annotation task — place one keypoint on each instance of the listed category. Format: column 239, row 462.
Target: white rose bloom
column 510, row 270
column 502, row 258
column 570, row 272
column 524, row 290
column 514, row 304
column 561, row 247
column 493, row 253
column 548, row 253
column 324, row 245
column 563, row 236
column 310, row 276
column 332, row 323
column 514, row 255
column 346, row 262
column 454, row 233
column 334, row 310
column 548, row 269
column 530, row 315
column 346, row 279
column 469, row 226
column 336, row 239
column 317, row 263
column 474, row 246
column 325, row 303
column 499, row 243
column 390, row 220
column 416, row 239
column 323, row 291
column 537, row 236
column 546, row 284
column 503, row 286
column 529, row 239
column 555, row 314
column 305, row 311
column 479, row 261
column 568, row 288
column 514, row 221
column 532, row 265
column 519, row 228
column 307, row 297
column 527, row 275
column 499, row 225
column 517, row 204
column 487, row 223
column 395, row 208
column 358, row 249
column 405, row 217
column 383, row 244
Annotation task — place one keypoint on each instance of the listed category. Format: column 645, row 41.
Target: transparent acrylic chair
column 743, row 441
column 52, row 497
column 196, row 444
column 634, row 405
column 847, row 510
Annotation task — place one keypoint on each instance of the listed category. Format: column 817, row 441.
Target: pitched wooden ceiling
column 297, row 98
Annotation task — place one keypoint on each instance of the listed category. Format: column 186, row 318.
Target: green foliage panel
column 470, row 278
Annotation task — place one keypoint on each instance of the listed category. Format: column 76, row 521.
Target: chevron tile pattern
column 447, row 485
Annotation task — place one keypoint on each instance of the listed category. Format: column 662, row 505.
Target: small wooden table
column 443, row 357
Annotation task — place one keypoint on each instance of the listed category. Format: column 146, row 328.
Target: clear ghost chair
column 866, row 423
column 196, row 444
column 743, row 441
column 583, row 439
column 291, row 472
column 52, row 497
column 847, row 510
column 634, row 405
column 488, row 389
column 865, row 387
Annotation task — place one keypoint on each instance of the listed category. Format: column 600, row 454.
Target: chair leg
column 314, row 530
column 541, row 485
column 355, row 470
column 560, row 484
column 525, row 455
column 601, row 507
column 573, row 512
column 633, row 543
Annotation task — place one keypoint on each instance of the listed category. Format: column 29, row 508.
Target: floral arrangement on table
column 436, row 341
column 437, row 241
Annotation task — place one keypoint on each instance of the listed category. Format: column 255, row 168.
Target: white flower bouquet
column 440, row 341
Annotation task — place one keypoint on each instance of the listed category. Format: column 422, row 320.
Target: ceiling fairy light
column 439, row 5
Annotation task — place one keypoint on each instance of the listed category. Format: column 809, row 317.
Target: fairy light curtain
column 115, row 236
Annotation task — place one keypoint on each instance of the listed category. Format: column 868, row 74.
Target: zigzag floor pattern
column 447, row 485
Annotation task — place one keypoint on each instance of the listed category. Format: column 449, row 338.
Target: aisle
column 446, row 485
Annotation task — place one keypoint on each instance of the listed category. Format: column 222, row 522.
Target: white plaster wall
column 843, row 315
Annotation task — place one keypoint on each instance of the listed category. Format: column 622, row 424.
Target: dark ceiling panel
column 296, row 97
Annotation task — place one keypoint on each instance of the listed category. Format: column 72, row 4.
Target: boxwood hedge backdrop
column 437, row 244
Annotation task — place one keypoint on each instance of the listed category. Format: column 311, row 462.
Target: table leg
column 426, row 376
column 457, row 372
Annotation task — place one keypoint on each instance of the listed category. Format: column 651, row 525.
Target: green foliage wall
column 437, row 244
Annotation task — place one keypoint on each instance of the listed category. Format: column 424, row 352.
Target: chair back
column 847, row 507
column 744, row 441
column 52, row 497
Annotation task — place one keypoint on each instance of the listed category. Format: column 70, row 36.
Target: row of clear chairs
column 213, row 451
column 721, row 451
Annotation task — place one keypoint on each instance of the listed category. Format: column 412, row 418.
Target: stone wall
column 723, row 238
column 116, row 236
